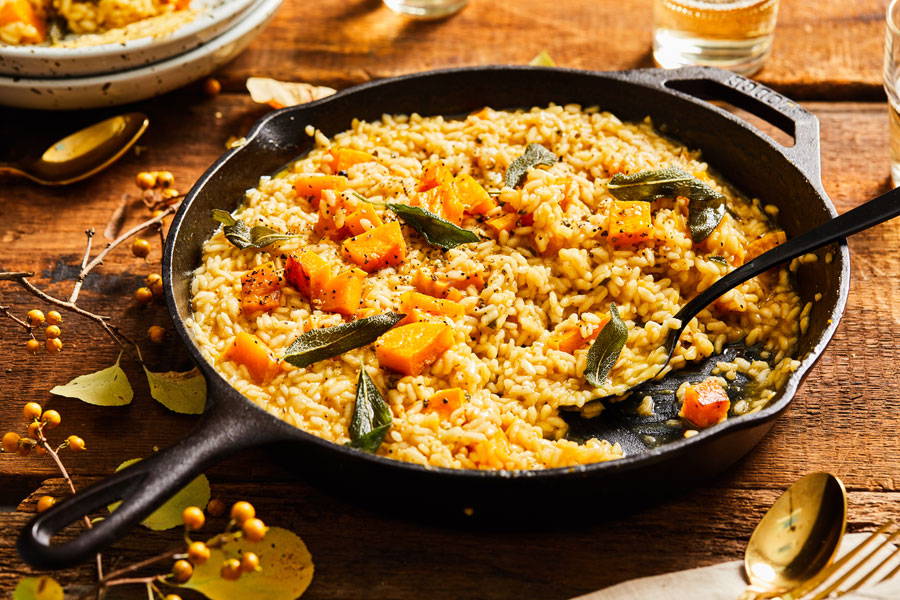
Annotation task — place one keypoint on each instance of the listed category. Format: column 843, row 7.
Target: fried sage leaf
column 241, row 236
column 436, row 230
column 319, row 344
column 535, row 155
column 605, row 350
column 706, row 208
column 371, row 417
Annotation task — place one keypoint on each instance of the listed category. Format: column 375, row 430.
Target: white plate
column 215, row 16
column 138, row 84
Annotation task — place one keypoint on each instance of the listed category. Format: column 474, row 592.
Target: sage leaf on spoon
column 706, row 207
column 605, row 350
column 534, row 155
column 371, row 416
column 436, row 230
column 319, row 344
column 242, row 236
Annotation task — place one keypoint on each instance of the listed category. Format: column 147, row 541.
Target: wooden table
column 844, row 419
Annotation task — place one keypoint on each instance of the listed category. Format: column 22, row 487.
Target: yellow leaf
column 279, row 94
column 38, row 588
column 107, row 387
column 285, row 573
column 183, row 393
column 167, row 516
column 542, row 59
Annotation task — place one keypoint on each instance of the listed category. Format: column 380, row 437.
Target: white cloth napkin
column 726, row 582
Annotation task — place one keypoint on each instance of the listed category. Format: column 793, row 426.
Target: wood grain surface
column 826, row 49
column 844, row 419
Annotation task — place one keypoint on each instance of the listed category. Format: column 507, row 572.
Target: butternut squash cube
column 474, row 197
column 343, row 292
column 376, row 248
column 248, row 350
column 408, row 349
column 260, row 290
column 344, row 158
column 505, row 222
column 446, row 401
column 629, row 222
column 311, row 185
column 705, row 403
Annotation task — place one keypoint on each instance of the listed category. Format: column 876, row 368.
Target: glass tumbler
column 426, row 9
column 891, row 83
column 730, row 34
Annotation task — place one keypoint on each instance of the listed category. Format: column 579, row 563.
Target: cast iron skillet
column 759, row 166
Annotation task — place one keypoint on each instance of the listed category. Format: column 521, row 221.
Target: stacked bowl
column 62, row 77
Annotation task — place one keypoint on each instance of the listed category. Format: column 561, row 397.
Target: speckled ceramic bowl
column 141, row 83
column 213, row 18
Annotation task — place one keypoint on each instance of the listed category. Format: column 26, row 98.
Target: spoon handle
column 873, row 212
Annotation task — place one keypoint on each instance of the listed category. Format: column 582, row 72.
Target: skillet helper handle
column 141, row 487
column 707, row 83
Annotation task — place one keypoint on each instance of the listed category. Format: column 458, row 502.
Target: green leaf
column 371, row 416
column 534, row 155
column 286, row 569
column 542, row 59
column 107, row 387
column 179, row 392
column 319, row 344
column 706, row 208
column 605, row 350
column 436, row 230
column 167, row 516
column 242, row 236
column 38, row 588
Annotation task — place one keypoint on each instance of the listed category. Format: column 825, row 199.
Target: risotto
column 485, row 273
column 74, row 23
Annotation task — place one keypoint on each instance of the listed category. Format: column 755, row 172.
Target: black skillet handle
column 708, row 83
column 142, row 487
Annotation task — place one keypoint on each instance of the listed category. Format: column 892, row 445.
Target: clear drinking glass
column 426, row 9
column 891, row 83
column 730, row 34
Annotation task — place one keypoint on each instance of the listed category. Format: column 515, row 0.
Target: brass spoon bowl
column 797, row 538
column 82, row 153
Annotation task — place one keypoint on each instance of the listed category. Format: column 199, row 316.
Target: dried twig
column 82, row 274
column 5, row 310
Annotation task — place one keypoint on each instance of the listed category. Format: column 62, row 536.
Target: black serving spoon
column 873, row 212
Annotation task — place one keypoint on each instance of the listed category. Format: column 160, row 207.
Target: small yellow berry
column 170, row 193
column 172, row 597
column 156, row 334
column 182, row 570
column 164, row 179
column 249, row 562
column 75, row 443
column 145, row 180
column 231, row 570
column 140, row 247
column 34, row 429
column 216, row 507
column 156, row 288
column 25, row 446
column 242, row 511
column 52, row 331
column 32, row 410
column 44, row 503
column 212, row 86
column 193, row 518
column 54, row 318
column 152, row 279
column 40, row 450
column 10, row 441
column 33, row 345
column 35, row 317
column 254, row 530
column 50, row 419
column 198, row 553
column 143, row 295
column 54, row 345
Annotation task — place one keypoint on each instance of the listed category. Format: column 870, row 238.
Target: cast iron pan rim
column 651, row 456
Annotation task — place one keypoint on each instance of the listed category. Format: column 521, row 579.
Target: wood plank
column 361, row 553
column 844, row 419
column 831, row 51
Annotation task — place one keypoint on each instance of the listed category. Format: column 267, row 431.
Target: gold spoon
column 797, row 538
column 82, row 153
